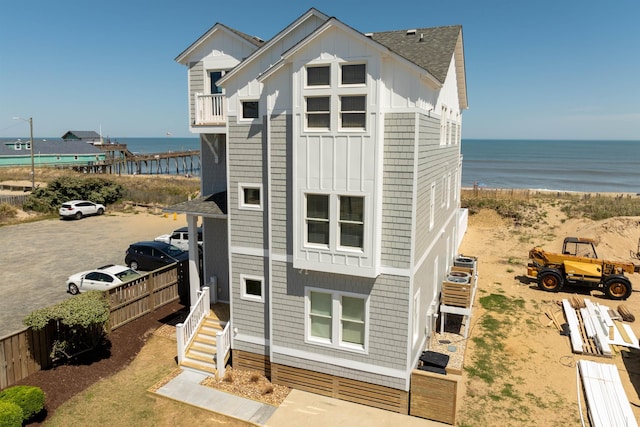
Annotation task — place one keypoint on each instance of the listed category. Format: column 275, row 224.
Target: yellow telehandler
column 579, row 265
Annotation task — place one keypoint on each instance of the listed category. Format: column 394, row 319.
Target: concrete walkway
column 299, row 408
column 186, row 388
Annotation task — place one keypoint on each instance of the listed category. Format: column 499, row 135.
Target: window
column 352, row 111
column 17, row 146
column 353, row 74
column 319, row 76
column 351, row 222
column 444, row 193
column 249, row 109
column 337, row 319
column 252, row 288
column 318, row 219
column 432, row 205
column 250, row 196
column 416, row 316
column 214, row 76
column 318, row 112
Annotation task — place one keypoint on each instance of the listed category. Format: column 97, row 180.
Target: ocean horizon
column 611, row 166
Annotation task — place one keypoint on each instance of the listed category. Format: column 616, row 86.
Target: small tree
column 80, row 324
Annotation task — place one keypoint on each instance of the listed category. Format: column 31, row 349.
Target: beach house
column 330, row 203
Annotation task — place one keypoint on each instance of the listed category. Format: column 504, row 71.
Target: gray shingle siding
column 281, row 184
column 196, row 85
column 249, row 317
column 213, row 175
column 216, row 255
column 388, row 296
column 399, row 135
column 246, row 156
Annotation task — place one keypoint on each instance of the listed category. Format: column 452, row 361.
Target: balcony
column 210, row 110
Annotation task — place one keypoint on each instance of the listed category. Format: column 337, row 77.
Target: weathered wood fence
column 28, row 351
column 14, row 200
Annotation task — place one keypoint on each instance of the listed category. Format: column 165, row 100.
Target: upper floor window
column 319, row 76
column 318, row 219
column 351, row 221
column 214, row 76
column 252, row 288
column 353, row 111
column 347, row 222
column 353, row 74
column 249, row 109
column 318, row 112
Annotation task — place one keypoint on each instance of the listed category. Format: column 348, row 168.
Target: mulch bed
column 121, row 347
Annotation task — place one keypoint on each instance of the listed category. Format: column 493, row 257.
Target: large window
column 351, row 221
column 318, row 219
column 337, row 90
column 337, row 319
column 341, row 216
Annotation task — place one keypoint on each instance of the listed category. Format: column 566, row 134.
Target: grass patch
column 501, row 304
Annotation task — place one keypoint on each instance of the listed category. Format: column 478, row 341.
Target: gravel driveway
column 37, row 258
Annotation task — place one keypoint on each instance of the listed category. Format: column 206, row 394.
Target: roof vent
column 411, row 32
column 368, row 35
column 421, row 36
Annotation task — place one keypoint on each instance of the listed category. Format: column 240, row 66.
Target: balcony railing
column 209, row 109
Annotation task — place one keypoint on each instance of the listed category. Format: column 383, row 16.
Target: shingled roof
column 428, row 48
column 85, row 135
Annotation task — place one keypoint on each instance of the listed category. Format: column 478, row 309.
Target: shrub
column 80, row 323
column 29, row 399
column 10, row 415
column 65, row 188
column 7, row 211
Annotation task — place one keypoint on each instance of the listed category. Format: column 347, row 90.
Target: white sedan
column 101, row 279
column 79, row 208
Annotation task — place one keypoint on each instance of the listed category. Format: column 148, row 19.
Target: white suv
column 79, row 208
column 179, row 238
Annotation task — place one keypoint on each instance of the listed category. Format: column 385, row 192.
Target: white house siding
column 245, row 155
column 249, row 317
column 385, row 361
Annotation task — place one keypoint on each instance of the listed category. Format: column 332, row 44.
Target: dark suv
column 149, row 256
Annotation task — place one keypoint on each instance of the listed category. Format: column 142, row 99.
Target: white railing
column 209, row 109
column 186, row 331
column 223, row 344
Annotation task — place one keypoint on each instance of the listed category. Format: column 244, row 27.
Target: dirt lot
column 38, row 257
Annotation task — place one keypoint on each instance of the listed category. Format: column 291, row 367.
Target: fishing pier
column 119, row 160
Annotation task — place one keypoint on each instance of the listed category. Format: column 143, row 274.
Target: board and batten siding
column 246, row 155
column 196, row 85
column 281, row 184
column 387, row 324
column 250, row 318
column 397, row 187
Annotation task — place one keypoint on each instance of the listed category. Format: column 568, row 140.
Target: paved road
column 37, row 258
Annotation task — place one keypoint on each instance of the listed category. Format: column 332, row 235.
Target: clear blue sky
column 535, row 69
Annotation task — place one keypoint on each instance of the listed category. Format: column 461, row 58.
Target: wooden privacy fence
column 14, row 200
column 28, row 351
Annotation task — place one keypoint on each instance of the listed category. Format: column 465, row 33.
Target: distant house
column 49, row 153
column 331, row 171
column 83, row 135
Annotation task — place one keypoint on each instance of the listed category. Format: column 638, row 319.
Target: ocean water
column 562, row 165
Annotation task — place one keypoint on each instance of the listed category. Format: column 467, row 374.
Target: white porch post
column 194, row 273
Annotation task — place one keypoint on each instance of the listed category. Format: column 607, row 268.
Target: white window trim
column 444, row 192
column 336, row 329
column 318, row 65
column 241, row 118
column 448, row 192
column 243, row 288
column 246, row 206
column 334, row 245
column 416, row 316
column 340, row 65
